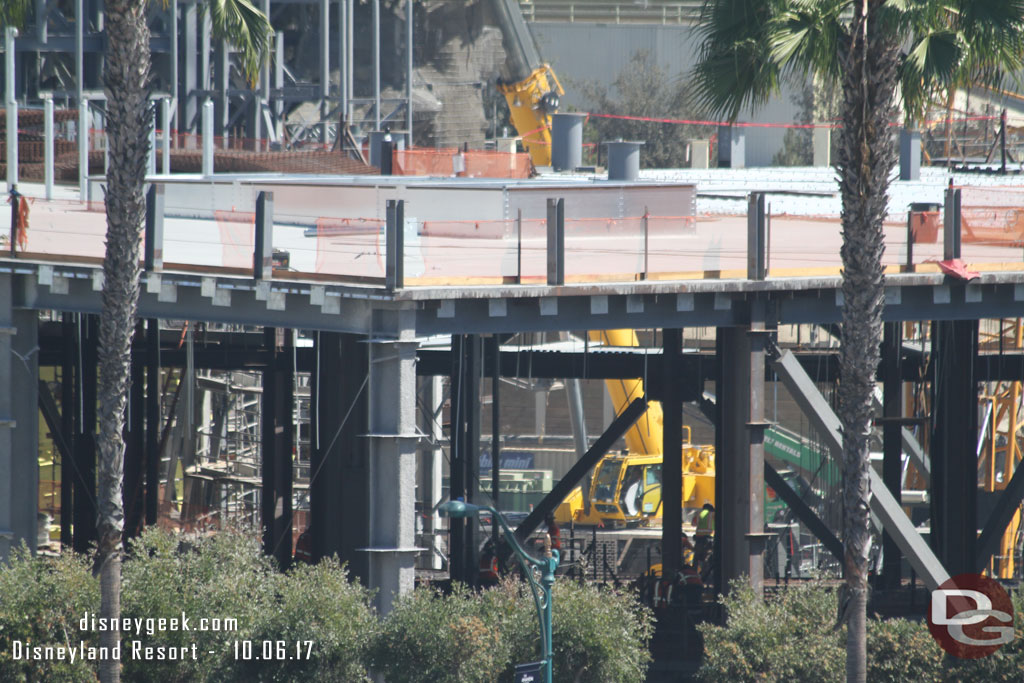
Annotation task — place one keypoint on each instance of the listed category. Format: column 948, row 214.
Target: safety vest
column 705, row 523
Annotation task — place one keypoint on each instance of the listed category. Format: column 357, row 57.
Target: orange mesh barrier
column 454, row 162
column 349, row 246
column 237, row 237
column 995, row 226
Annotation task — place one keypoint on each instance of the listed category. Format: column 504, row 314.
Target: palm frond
column 14, row 13
column 244, row 26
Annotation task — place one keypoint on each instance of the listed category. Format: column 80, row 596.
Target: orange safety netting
column 452, row 161
column 992, row 216
column 237, row 237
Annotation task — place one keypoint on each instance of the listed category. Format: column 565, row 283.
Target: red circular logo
column 971, row 616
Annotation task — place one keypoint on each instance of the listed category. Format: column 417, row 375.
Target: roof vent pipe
column 624, row 160
column 567, row 141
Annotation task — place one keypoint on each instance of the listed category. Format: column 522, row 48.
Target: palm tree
column 126, row 81
column 867, row 47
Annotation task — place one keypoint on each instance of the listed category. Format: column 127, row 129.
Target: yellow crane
column 529, row 85
column 626, row 488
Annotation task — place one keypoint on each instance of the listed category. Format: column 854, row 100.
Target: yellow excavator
column 625, row 489
column 529, row 85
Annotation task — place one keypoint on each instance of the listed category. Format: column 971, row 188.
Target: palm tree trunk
column 866, row 155
column 126, row 78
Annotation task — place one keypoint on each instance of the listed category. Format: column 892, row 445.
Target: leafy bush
column 226, row 576
column 787, row 638
column 599, row 635
column 321, row 605
column 900, row 650
column 466, row 636
column 1005, row 665
column 445, row 638
column 41, row 603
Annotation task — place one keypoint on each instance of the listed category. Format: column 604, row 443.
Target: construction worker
column 705, row 533
column 706, row 521
column 553, row 531
column 304, row 546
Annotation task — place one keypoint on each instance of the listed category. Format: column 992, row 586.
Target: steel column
column 152, row 420
column 672, row 449
column 135, row 448
column 892, row 442
column 68, row 413
column 393, row 440
column 85, row 441
column 954, row 482
column 457, row 540
column 340, row 464
column 494, row 344
column 277, row 442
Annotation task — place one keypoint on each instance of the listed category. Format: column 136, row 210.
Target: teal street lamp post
column 546, row 565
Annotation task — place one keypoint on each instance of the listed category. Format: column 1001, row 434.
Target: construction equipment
column 529, row 85
column 625, row 489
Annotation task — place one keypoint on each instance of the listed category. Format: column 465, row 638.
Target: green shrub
column 900, row 650
column 41, row 603
column 1006, row 664
column 599, row 635
column 318, row 604
column 466, row 636
column 444, row 638
column 786, row 638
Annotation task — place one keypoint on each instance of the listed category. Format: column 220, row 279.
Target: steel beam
column 340, row 464
column 672, row 454
column 565, row 485
column 892, row 442
column 803, row 512
column 954, row 481
column 883, row 505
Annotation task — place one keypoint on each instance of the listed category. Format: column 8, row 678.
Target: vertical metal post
column 409, row 15
column 519, row 246
column 910, row 239
column 263, row 252
column 85, row 452
column 672, row 447
column 457, row 477
column 647, row 243
column 342, row 57
column 395, row 244
column 68, row 412
column 892, row 442
column 325, row 66
column 165, row 142
column 756, row 265
column 267, row 443
column 279, row 73
column 1002, row 141
column 951, row 225
column 556, row 241
column 48, row 146
column 83, row 150
column 376, row 64
column 207, row 134
column 11, row 104
column 494, row 343
column 151, row 157
column 471, row 384
column 189, row 106
column 172, row 11
column 152, row 420
column 349, row 55
column 154, row 243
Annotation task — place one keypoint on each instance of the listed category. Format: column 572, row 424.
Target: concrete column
column 732, row 147
column 392, row 437
column 821, row 141
column 11, row 106
column 910, row 154
column 739, row 439
column 19, row 430
column 165, row 141
column 700, row 154
column 207, row 134
column 83, row 150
